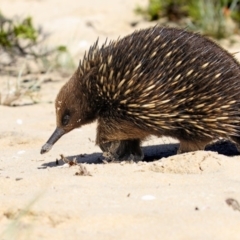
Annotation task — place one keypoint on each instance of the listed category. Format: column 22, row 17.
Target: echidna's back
column 171, row 51
column 169, row 79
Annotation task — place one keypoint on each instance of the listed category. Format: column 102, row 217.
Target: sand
column 187, row 196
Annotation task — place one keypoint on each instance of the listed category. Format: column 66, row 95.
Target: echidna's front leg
column 119, row 149
column 129, row 150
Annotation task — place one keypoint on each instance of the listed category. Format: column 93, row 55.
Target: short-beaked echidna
column 158, row 81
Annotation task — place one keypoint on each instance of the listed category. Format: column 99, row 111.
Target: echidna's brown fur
column 157, row 81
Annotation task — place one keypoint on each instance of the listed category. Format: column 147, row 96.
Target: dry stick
column 82, row 169
column 233, row 203
column 18, row 93
column 70, row 162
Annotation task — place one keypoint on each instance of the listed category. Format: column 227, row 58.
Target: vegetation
column 19, row 39
column 25, row 56
column 211, row 17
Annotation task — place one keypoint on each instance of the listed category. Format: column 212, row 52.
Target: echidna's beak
column 55, row 136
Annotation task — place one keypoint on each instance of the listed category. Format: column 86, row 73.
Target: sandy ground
column 187, row 196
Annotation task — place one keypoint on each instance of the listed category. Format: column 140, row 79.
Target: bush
column 209, row 16
column 23, row 53
column 20, row 39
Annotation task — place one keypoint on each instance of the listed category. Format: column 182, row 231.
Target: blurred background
column 41, row 41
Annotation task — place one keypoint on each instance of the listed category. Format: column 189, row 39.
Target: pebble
column 148, row 197
column 19, row 121
column 21, row 152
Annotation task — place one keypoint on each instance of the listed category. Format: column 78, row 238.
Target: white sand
column 179, row 197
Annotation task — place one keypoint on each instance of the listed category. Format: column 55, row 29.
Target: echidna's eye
column 65, row 119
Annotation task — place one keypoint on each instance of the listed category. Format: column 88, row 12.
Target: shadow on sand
column 151, row 153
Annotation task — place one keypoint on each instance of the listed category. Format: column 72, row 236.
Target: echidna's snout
column 55, row 136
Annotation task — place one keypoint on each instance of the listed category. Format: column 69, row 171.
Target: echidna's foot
column 236, row 140
column 190, row 146
column 124, row 150
column 238, row 147
column 109, row 149
column 105, row 147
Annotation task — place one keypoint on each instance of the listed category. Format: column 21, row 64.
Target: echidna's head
column 72, row 111
column 68, row 107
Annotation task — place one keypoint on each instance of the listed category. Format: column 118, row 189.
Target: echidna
column 158, row 81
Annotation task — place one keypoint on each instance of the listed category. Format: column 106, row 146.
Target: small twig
column 82, row 169
column 70, row 162
column 11, row 98
column 233, row 203
column 105, row 161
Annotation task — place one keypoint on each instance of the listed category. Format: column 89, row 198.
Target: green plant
column 22, row 49
column 20, row 39
column 172, row 9
column 154, row 9
column 235, row 10
column 211, row 17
